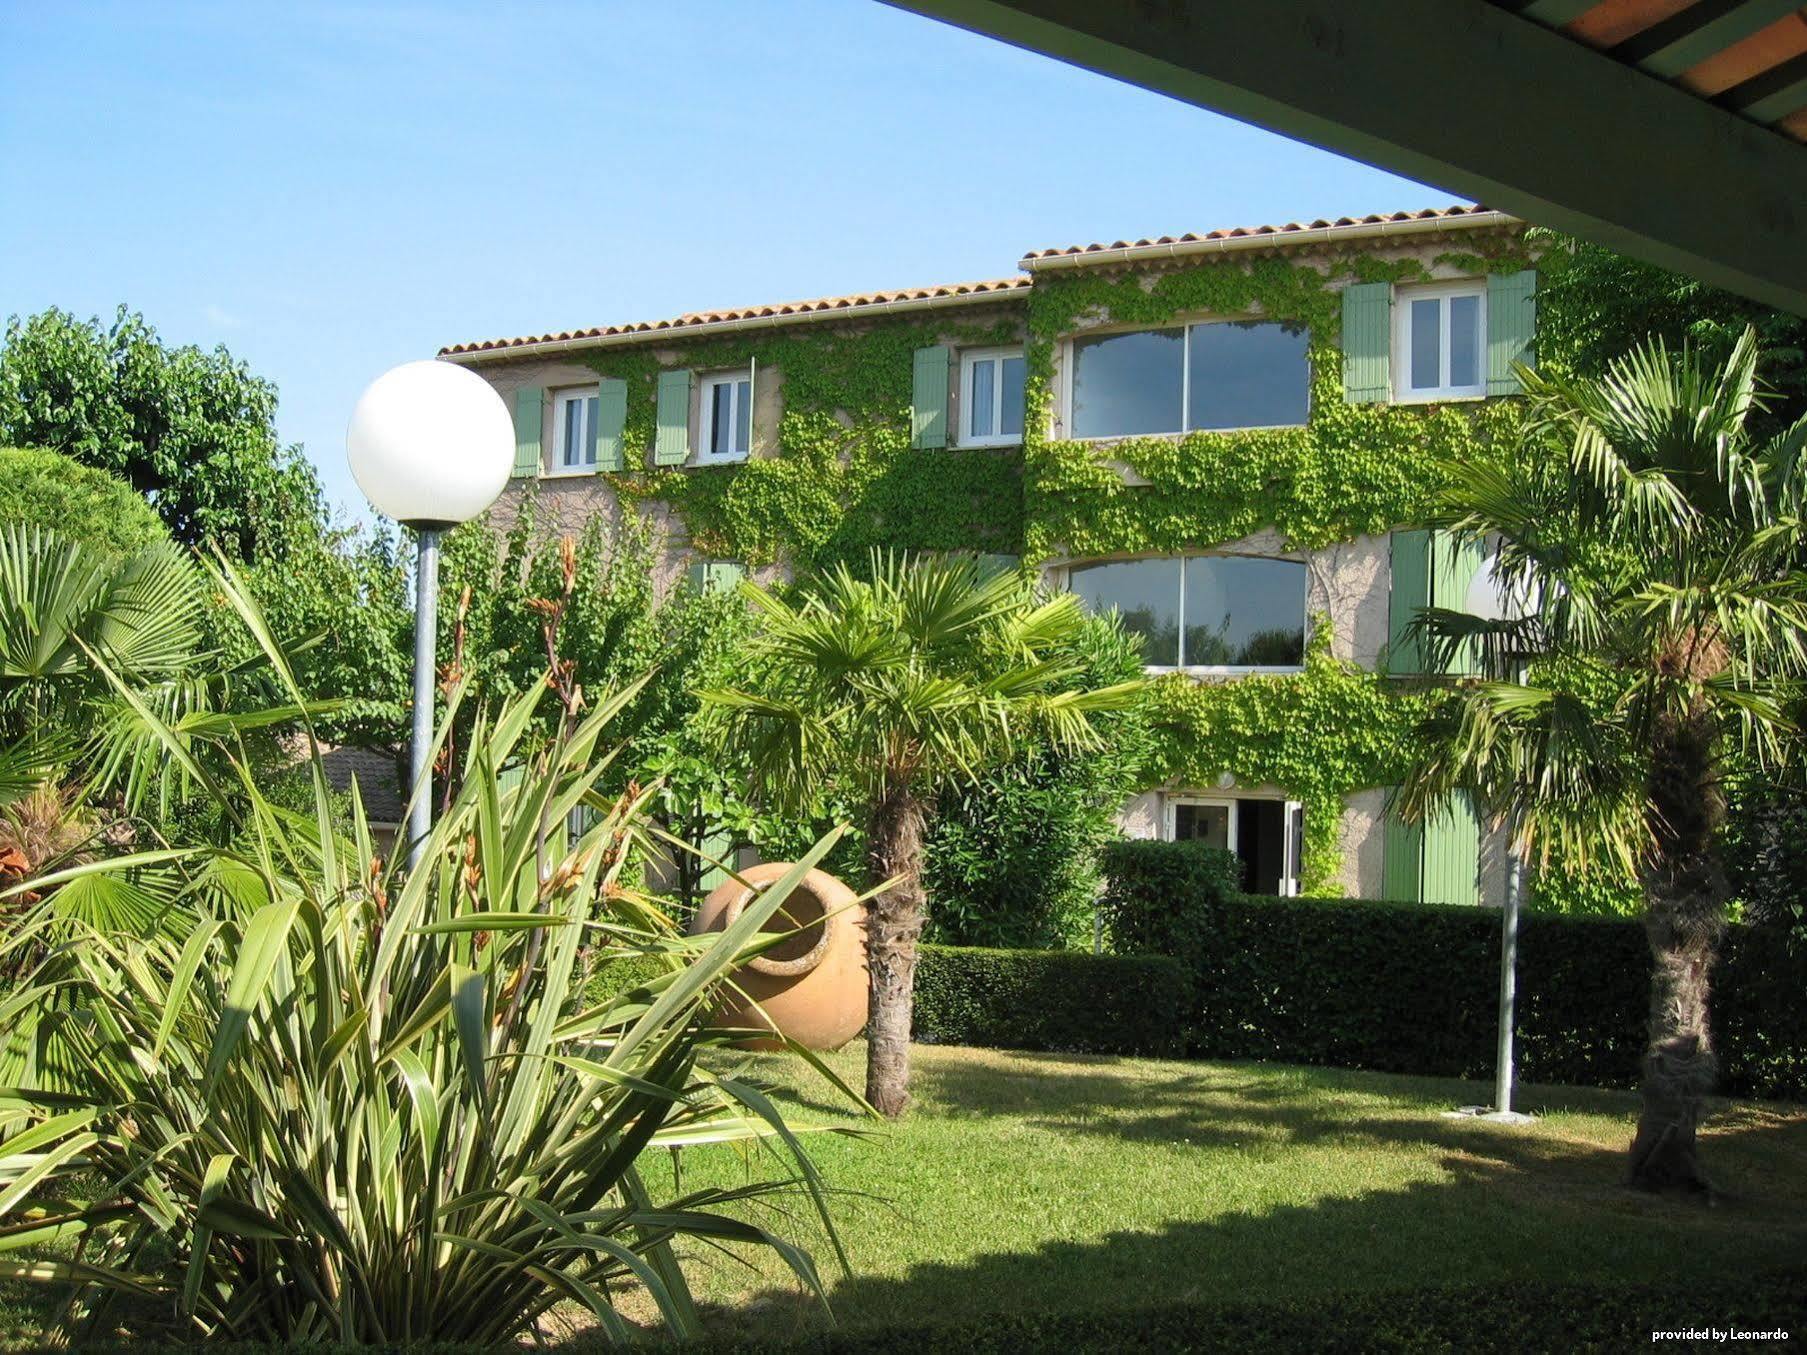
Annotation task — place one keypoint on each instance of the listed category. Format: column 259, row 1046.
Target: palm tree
column 1651, row 545
column 889, row 689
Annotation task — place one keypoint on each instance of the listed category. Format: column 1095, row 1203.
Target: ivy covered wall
column 840, row 477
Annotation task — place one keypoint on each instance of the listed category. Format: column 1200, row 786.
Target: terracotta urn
column 811, row 986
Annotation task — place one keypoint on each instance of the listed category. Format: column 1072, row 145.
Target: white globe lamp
column 431, row 445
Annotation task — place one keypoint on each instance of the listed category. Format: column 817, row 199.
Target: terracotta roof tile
column 777, row 313
column 1245, row 232
column 951, row 293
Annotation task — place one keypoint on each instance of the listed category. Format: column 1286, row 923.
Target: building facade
column 1230, row 439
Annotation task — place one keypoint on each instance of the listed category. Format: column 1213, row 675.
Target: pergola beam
column 1469, row 97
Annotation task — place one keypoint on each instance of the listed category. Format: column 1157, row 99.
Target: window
column 991, row 397
column 1203, row 611
column 574, row 431
column 727, row 418
column 1439, row 341
column 1268, row 834
column 1223, row 374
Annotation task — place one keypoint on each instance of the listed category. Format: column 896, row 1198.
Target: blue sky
column 330, row 188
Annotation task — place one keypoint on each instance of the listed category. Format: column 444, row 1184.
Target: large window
column 991, row 397
column 1203, row 611
column 574, row 431
column 727, row 418
column 1438, row 342
column 1225, row 374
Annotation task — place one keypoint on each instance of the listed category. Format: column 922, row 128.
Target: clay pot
column 811, row 986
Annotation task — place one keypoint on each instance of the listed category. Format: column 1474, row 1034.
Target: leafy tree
column 1594, row 304
column 615, row 624
column 49, row 490
column 889, row 690
column 1647, row 535
column 195, row 432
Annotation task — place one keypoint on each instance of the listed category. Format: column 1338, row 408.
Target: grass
column 1028, row 1182
column 1024, row 1182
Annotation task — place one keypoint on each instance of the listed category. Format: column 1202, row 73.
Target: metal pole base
column 1489, row 1114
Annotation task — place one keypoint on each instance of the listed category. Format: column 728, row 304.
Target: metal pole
column 1502, row 1085
column 426, row 624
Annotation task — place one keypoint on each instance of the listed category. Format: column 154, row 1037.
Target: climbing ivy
column 1353, row 469
column 843, row 477
column 1319, row 734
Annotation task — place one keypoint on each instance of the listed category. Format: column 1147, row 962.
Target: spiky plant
column 358, row 1104
column 1652, row 549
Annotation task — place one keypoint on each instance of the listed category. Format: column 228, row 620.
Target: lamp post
column 1489, row 599
column 431, row 445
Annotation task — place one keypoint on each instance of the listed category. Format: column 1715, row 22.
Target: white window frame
column 970, row 359
column 1069, row 359
column 560, row 458
column 1291, row 811
column 706, row 405
column 1403, row 391
column 1208, row 669
column 1171, row 815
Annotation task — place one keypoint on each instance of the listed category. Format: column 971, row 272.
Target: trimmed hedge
column 1054, row 1000
column 1414, row 987
column 1509, row 1318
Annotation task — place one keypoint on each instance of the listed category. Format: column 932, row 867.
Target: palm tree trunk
column 894, row 922
column 1685, row 892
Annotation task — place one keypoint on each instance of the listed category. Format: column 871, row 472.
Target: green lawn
column 1026, row 1181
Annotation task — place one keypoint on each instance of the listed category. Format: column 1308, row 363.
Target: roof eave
column 1316, row 235
column 669, row 333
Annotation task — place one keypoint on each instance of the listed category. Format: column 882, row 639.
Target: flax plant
column 358, row 1104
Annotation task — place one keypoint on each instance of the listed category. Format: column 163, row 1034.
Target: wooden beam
column 1469, row 97
column 1701, row 30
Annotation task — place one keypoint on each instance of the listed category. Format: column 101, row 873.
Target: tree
column 195, row 432
column 893, row 688
column 1646, row 536
column 1594, row 304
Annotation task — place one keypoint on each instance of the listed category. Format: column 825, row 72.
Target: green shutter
column 611, row 418
column 715, row 576
column 1367, row 342
column 1410, row 590
column 1452, row 854
column 720, row 845
column 671, row 443
column 1453, row 567
column 1402, row 858
column 928, row 398
column 529, row 417
column 1511, row 327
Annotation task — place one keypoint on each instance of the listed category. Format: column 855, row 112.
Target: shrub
column 1141, row 876
column 1414, row 987
column 1056, row 1000
column 371, row 1104
column 1013, row 861
column 47, row 489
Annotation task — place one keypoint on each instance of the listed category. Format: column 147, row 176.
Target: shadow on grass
column 1507, row 1207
